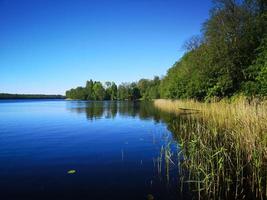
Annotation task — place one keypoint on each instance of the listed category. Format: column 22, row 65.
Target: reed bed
column 223, row 146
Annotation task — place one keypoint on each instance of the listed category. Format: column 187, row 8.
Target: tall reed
column 223, row 146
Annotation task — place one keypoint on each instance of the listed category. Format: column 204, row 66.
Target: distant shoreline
column 6, row 96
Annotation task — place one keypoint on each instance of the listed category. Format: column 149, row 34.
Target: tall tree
column 99, row 91
column 89, row 89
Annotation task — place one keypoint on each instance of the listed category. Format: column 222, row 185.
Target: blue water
column 113, row 146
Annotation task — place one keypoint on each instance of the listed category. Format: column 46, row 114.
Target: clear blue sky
column 48, row 46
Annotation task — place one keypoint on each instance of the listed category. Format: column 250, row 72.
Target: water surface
column 114, row 148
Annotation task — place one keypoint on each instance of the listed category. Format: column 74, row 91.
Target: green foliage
column 221, row 63
column 111, row 91
column 99, row 91
column 123, row 92
column 77, row 93
column 149, row 89
column 89, row 90
column 143, row 89
column 134, row 92
column 128, row 91
column 256, row 74
column 92, row 91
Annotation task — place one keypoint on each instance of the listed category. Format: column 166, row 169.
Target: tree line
column 29, row 96
column 95, row 90
column 228, row 58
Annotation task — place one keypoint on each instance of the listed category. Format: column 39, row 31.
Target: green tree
column 256, row 74
column 133, row 92
column 99, row 91
column 89, row 89
column 123, row 91
column 113, row 93
column 218, row 64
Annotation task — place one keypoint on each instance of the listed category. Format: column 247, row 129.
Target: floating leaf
column 72, row 171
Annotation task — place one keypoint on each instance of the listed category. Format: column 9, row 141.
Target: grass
column 223, row 146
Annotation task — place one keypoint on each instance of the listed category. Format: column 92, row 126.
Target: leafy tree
column 149, row 89
column 107, row 90
column 113, row 93
column 218, row 62
column 122, row 93
column 133, row 92
column 99, row 91
column 89, row 90
column 256, row 74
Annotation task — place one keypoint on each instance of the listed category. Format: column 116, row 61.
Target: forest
column 228, row 58
column 94, row 90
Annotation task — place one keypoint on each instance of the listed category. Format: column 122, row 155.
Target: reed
column 223, row 146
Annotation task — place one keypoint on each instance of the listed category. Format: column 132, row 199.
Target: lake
column 56, row 149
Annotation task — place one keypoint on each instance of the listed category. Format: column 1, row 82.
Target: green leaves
column 145, row 89
column 222, row 64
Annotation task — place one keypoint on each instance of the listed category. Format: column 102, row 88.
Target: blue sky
column 48, row 46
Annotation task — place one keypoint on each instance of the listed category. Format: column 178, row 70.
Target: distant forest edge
column 30, row 96
column 95, row 90
column 229, row 58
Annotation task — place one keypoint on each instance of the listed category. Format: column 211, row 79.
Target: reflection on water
column 204, row 158
column 110, row 109
column 119, row 150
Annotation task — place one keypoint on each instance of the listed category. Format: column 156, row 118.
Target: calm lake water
column 114, row 147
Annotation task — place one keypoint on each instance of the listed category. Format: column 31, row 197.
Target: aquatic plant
column 223, row 147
